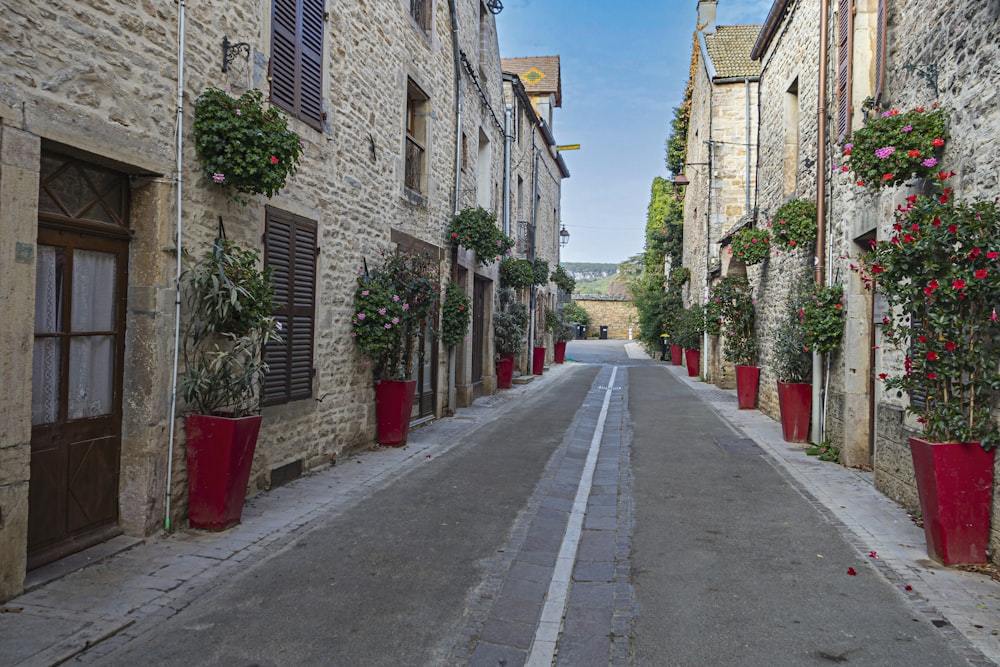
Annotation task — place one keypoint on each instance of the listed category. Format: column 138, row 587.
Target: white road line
column 543, row 647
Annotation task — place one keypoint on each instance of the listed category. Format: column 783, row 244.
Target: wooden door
column 79, row 343
column 478, row 333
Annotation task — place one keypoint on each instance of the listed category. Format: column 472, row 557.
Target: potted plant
column 793, row 225
column 538, row 349
column 241, row 145
column 793, row 369
column 750, row 245
column 229, row 321
column 690, row 327
column 562, row 332
column 894, row 147
column 476, row 229
column 456, row 313
column 738, row 319
column 391, row 305
column 939, row 274
column 510, row 324
column 671, row 307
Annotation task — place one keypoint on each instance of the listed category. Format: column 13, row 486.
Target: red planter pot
column 560, row 352
column 693, row 358
column 393, row 407
column 676, row 355
column 538, row 360
column 795, row 404
column 955, row 483
column 505, row 371
column 747, row 379
column 219, row 456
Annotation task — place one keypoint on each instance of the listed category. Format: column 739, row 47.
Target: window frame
column 295, row 68
column 415, row 139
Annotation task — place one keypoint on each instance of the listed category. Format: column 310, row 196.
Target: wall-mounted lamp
column 681, row 181
column 563, row 237
column 230, row 51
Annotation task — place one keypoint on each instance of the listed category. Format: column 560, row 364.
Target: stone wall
column 98, row 79
column 616, row 313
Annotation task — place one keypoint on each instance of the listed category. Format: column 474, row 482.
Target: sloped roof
column 540, row 74
column 729, row 50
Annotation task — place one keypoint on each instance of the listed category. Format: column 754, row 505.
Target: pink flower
column 395, row 320
column 381, row 311
column 361, row 316
column 218, row 178
column 929, row 162
column 364, row 292
column 388, row 326
column 406, row 306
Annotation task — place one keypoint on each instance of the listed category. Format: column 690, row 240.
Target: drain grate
column 744, row 446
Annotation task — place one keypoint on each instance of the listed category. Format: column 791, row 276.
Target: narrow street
column 605, row 514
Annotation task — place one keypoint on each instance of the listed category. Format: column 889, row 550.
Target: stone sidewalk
column 958, row 602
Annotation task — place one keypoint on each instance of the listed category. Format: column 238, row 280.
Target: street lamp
column 563, row 237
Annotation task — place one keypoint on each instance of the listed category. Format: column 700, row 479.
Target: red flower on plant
column 975, row 252
column 981, row 273
column 921, row 339
column 936, row 222
column 950, row 345
column 992, row 254
column 938, row 142
column 882, row 376
column 932, row 376
column 913, row 153
column 877, row 269
column 274, row 160
column 861, row 184
column 958, row 284
column 907, row 238
column 952, row 229
column 886, row 177
column 932, row 355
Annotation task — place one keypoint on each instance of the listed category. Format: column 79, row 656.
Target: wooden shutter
column 844, row 45
column 297, row 58
column 290, row 252
column 880, row 49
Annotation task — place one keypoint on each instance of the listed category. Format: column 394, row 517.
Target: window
column 790, row 156
column 844, row 45
column 290, row 252
column 880, row 39
column 420, row 10
column 417, row 105
column 484, row 171
column 297, row 58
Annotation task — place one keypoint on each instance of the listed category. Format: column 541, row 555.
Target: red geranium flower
column 992, row 254
column 932, row 355
column 938, row 142
column 981, row 273
column 274, row 160
column 886, row 177
column 936, row 222
column 958, row 284
column 952, row 229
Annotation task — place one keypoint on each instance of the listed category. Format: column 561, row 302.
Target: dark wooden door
column 76, row 394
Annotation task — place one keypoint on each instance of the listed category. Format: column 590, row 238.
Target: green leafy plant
column 539, row 272
column 391, row 305
column 574, row 312
column 893, row 147
column 242, row 145
column 229, row 321
column 557, row 324
column 732, row 300
column 563, row 280
column 689, row 328
column 794, row 224
column 939, row 274
column 679, row 276
column 518, row 273
column 822, row 318
column 456, row 313
column 825, row 451
column 510, row 323
column 751, row 245
column 476, row 229
column 792, row 359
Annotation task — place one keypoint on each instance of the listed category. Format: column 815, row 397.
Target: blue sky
column 624, row 68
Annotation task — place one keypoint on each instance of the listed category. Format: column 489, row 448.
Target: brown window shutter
column 297, row 58
column 880, row 49
column 290, row 252
column 844, row 44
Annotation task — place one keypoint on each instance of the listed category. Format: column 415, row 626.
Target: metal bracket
column 230, row 52
column 494, row 6
column 928, row 73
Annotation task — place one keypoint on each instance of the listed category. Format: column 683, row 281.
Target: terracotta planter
column 693, row 358
column 505, row 371
column 795, row 404
column 538, row 360
column 219, row 456
column 955, row 483
column 393, row 407
column 747, row 379
column 560, row 352
column 676, row 355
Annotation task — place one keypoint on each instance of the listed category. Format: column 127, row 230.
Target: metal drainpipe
column 817, row 430
column 179, row 167
column 457, row 57
column 533, row 324
column 746, row 81
column 506, row 168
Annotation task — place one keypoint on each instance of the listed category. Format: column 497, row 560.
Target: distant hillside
column 587, row 271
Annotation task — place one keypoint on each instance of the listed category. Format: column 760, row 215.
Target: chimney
column 706, row 15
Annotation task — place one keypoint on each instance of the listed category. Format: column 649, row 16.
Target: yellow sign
column 568, row 147
column 533, row 75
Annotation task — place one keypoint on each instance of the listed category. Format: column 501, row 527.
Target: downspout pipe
column 178, row 189
column 817, row 430
column 746, row 209
column 533, row 323
column 457, row 57
column 507, row 117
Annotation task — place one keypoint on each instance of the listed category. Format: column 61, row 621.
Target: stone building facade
column 97, row 202
column 617, row 313
column 896, row 55
column 721, row 154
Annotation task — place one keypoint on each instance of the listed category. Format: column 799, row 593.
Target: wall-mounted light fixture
column 681, row 181
column 494, row 6
column 231, row 51
column 563, row 237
